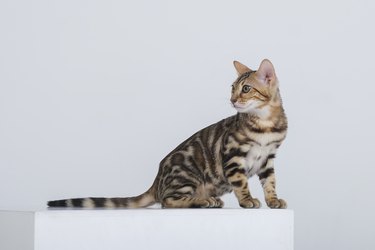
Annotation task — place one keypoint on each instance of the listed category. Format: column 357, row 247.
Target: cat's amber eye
column 246, row 88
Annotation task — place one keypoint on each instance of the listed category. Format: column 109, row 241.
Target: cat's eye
column 246, row 88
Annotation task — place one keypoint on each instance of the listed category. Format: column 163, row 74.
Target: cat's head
column 254, row 91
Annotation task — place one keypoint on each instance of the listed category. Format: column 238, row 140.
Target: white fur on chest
column 259, row 152
column 256, row 158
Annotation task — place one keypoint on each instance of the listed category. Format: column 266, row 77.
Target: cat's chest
column 259, row 151
column 257, row 158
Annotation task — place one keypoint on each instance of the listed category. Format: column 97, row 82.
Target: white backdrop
column 93, row 94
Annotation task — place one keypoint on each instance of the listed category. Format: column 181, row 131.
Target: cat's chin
column 248, row 107
column 253, row 109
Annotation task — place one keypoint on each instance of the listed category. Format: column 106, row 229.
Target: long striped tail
column 144, row 200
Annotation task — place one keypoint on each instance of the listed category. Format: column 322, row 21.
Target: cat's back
column 205, row 140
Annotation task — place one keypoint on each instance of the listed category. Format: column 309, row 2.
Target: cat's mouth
column 242, row 107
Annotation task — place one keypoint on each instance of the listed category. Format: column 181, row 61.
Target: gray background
column 93, row 94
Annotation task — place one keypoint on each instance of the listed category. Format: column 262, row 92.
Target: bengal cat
column 219, row 158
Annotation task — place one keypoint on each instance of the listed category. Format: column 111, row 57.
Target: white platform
column 147, row 229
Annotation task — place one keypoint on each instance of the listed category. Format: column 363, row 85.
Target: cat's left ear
column 266, row 72
column 241, row 68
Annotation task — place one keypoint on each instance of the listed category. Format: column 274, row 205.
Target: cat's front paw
column 250, row 203
column 276, row 203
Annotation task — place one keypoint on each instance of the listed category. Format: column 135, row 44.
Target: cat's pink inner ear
column 241, row 68
column 266, row 71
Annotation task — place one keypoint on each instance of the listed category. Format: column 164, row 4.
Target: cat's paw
column 276, row 203
column 250, row 203
column 214, row 202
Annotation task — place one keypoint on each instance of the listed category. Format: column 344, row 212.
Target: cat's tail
column 144, row 200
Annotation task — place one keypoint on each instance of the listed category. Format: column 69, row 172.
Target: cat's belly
column 212, row 190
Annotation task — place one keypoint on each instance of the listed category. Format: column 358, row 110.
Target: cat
column 219, row 158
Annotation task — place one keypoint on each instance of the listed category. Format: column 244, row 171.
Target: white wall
column 93, row 94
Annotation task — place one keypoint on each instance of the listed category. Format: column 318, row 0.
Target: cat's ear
column 266, row 72
column 240, row 68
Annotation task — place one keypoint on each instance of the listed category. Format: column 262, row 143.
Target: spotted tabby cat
column 220, row 158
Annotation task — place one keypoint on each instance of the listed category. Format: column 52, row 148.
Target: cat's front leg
column 268, row 181
column 236, row 176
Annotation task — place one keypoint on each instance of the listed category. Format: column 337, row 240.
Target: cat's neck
column 266, row 118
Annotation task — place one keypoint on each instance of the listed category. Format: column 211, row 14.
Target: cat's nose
column 233, row 100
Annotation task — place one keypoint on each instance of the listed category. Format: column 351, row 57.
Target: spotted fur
column 219, row 158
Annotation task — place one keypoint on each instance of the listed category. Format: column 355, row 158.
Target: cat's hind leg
column 182, row 185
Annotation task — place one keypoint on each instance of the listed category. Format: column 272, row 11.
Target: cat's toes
column 215, row 202
column 277, row 203
column 219, row 203
column 250, row 203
